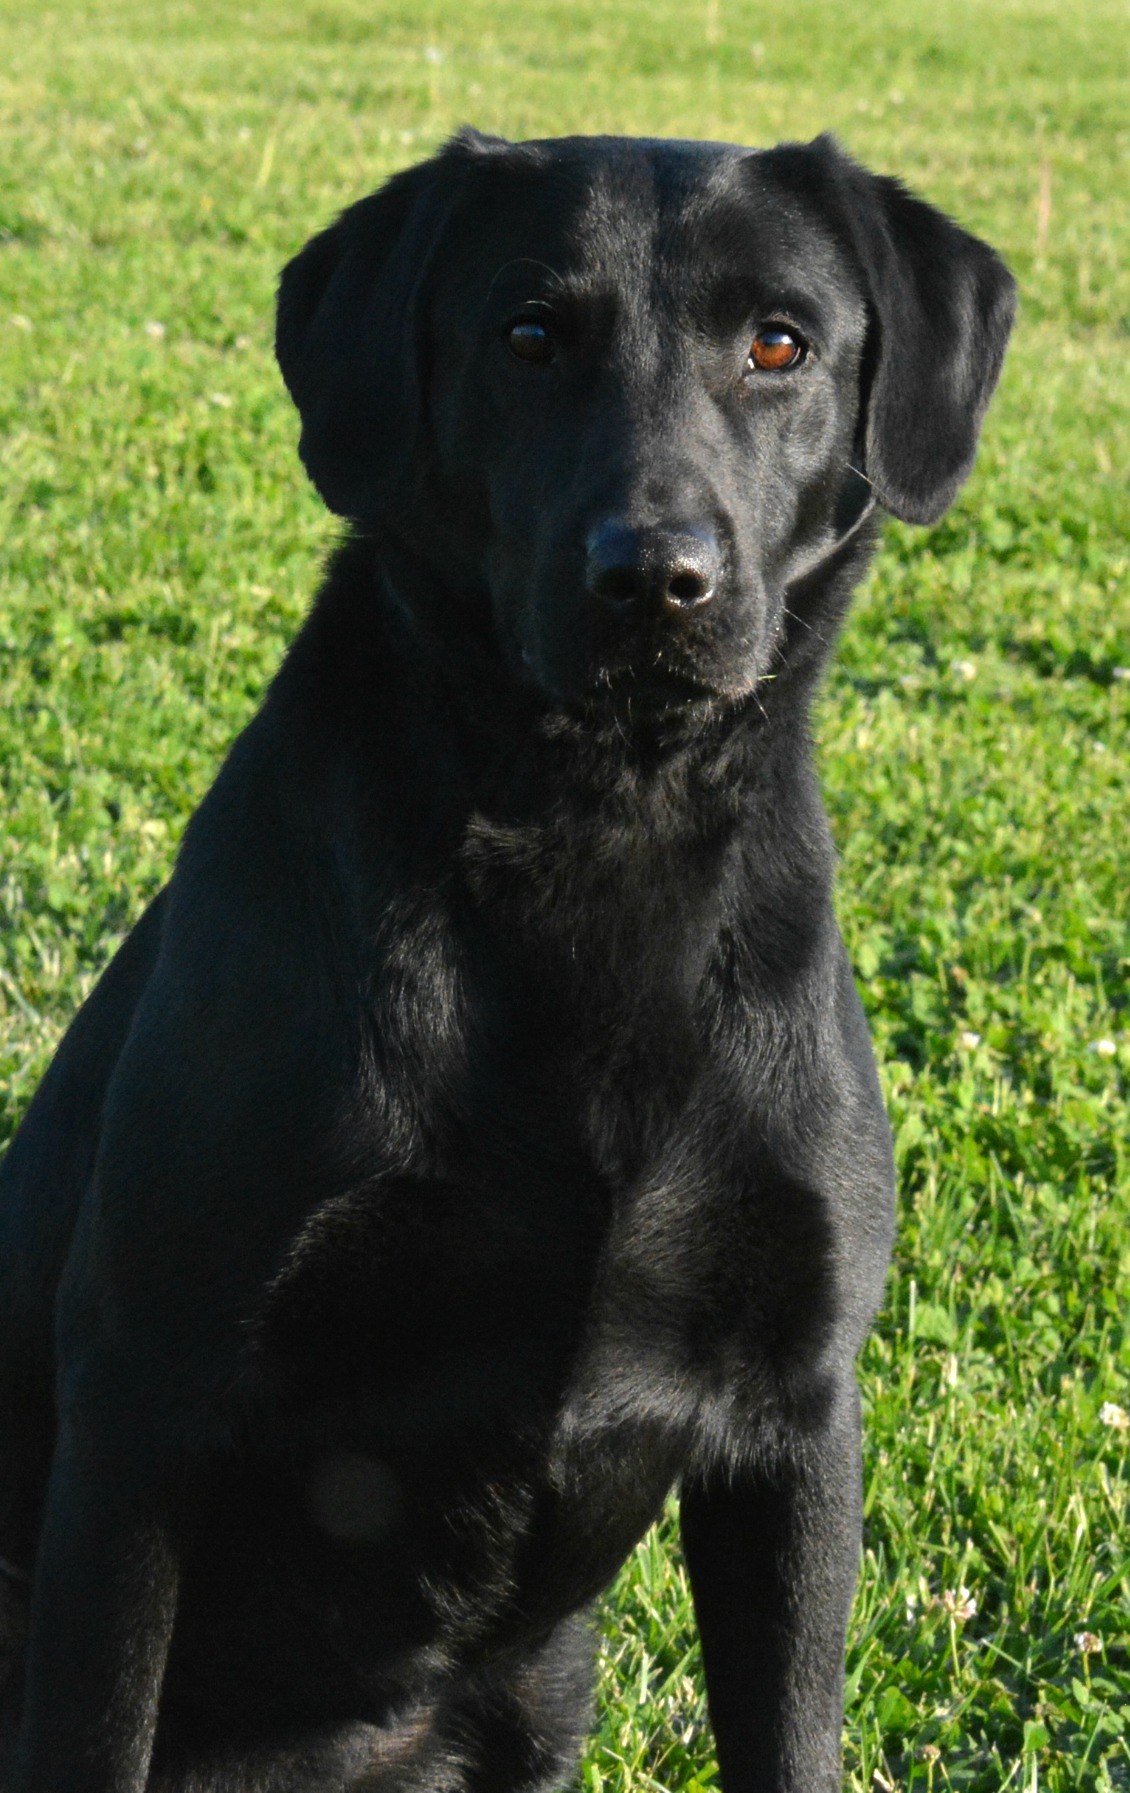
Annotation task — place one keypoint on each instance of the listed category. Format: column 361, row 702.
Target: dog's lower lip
column 656, row 685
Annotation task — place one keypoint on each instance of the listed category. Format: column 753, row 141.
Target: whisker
column 753, row 693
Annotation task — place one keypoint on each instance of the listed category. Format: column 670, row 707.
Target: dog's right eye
column 529, row 342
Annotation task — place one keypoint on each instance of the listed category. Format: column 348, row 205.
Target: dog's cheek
column 542, row 628
column 804, row 485
column 512, row 614
column 457, row 515
column 533, row 570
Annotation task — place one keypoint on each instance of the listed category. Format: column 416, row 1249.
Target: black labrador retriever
column 480, row 1135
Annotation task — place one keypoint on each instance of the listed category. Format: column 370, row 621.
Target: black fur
column 480, row 1134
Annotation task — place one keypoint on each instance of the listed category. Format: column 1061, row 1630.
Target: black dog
column 480, row 1134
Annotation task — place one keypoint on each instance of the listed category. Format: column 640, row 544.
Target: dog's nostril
column 688, row 588
column 618, row 585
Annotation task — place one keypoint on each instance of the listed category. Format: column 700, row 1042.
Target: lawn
column 158, row 162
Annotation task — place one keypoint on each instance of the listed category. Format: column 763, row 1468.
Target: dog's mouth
column 657, row 689
column 659, row 675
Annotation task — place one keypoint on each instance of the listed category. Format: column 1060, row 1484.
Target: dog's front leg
column 101, row 1620
column 773, row 1557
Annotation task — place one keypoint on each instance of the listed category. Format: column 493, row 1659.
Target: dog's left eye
column 529, row 341
column 775, row 348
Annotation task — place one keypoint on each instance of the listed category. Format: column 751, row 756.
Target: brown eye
column 529, row 342
column 775, row 348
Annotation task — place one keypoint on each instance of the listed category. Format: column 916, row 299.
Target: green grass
column 159, row 544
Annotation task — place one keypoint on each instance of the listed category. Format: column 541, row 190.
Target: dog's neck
column 683, row 834
column 526, row 792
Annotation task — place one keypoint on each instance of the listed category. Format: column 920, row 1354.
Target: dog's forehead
column 608, row 207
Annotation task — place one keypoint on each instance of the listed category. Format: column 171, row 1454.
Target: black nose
column 676, row 570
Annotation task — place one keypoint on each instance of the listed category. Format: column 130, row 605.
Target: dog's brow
column 573, row 288
column 528, row 261
column 741, row 297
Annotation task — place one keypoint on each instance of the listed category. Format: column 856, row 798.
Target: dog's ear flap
column 344, row 338
column 941, row 305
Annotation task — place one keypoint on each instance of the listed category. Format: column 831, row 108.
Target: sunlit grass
column 159, row 544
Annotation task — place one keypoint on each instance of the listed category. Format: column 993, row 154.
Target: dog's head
column 620, row 395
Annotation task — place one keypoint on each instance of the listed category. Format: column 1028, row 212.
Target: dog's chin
column 631, row 690
column 630, row 698
column 656, row 691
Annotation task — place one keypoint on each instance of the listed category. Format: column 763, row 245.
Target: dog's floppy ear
column 346, row 330
column 942, row 304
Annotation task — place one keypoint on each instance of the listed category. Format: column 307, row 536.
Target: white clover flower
column 960, row 1605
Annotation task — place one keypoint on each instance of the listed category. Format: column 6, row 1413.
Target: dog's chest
column 495, row 1408
column 537, row 1312
column 528, row 1332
